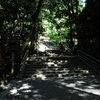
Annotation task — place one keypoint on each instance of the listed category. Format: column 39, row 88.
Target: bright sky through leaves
column 83, row 2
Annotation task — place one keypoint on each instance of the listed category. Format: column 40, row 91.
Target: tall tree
column 19, row 19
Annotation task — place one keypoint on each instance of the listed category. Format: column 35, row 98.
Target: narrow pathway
column 55, row 76
column 67, row 88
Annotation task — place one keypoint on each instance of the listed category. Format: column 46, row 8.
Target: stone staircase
column 56, row 64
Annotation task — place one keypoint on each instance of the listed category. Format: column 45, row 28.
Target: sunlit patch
column 61, row 60
column 80, row 82
column 90, row 87
column 60, row 75
column 42, row 47
column 86, row 71
column 83, row 95
column 41, row 76
column 79, row 85
column 27, row 59
column 50, row 63
column 25, row 86
column 13, row 91
column 35, row 91
column 26, row 91
column 37, row 95
column 55, row 65
column 56, row 69
column 39, row 72
column 71, row 85
column 66, row 61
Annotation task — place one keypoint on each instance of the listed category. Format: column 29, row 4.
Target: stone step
column 46, row 58
column 62, row 71
column 54, row 51
column 59, row 71
column 61, row 62
column 58, row 75
column 56, row 66
column 44, row 64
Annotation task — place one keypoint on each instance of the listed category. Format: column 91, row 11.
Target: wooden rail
column 22, row 64
column 91, row 61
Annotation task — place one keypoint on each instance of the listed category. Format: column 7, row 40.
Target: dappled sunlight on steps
column 56, row 66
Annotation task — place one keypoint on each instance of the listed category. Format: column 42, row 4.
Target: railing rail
column 22, row 65
column 95, row 63
column 1, row 63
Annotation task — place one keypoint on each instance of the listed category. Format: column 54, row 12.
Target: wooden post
column 12, row 62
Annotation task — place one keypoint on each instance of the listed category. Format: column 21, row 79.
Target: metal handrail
column 22, row 64
column 89, row 60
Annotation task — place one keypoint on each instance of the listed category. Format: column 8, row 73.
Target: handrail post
column 22, row 65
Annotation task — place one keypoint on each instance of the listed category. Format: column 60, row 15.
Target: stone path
column 68, row 87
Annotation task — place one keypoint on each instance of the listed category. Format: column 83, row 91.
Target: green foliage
column 25, row 19
column 18, row 18
column 54, row 20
